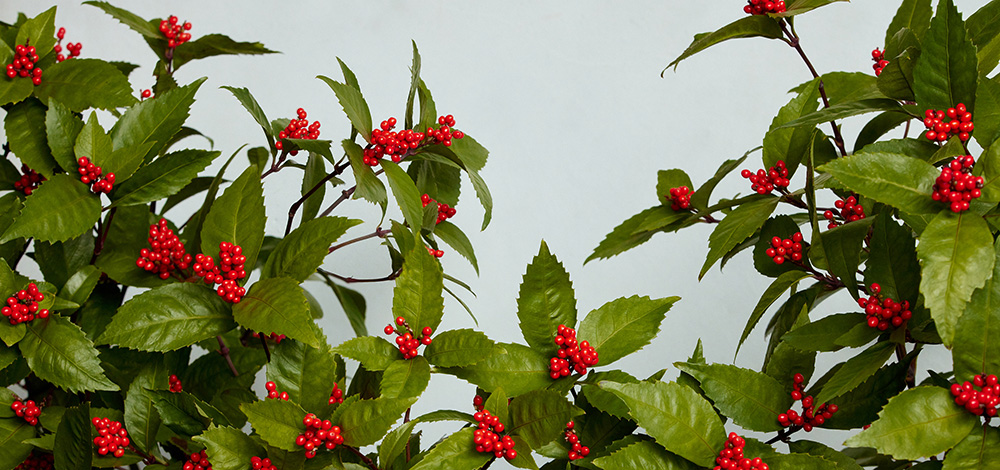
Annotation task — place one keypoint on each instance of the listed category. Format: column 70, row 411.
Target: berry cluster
column 478, row 402
column 845, row 210
column 879, row 58
column 445, row 211
column 406, row 339
column 731, row 456
column 37, row 462
column 435, row 253
column 763, row 182
column 29, row 181
column 444, row 133
column 273, row 337
column 763, row 7
column 811, row 416
column 176, row 34
column 883, row 313
column 73, row 49
column 385, row 141
column 336, row 395
column 258, row 463
column 959, row 123
column 24, row 64
column 272, row 391
column 230, row 270
column 487, row 440
column 680, row 198
column 786, row 249
column 298, row 129
column 571, row 355
column 578, row 451
column 319, row 433
column 165, row 253
column 198, row 461
column 91, row 174
column 111, row 437
column 985, row 401
column 175, row 384
column 23, row 306
column 956, row 186
column 27, row 410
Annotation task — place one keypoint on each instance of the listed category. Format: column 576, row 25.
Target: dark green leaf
column 516, row 368
column 978, row 451
column 364, row 422
column 13, row 431
column 842, row 246
column 855, row 371
column 750, row 26
column 545, row 301
column 455, row 451
column 457, row 240
column 308, row 374
column 752, row 399
column 892, row 260
column 86, row 83
column 237, row 217
column 987, row 112
column 354, row 306
column 878, row 127
column 798, row 7
column 163, row 177
column 41, row 32
column 781, row 226
column 212, row 45
column 13, row 91
column 790, row 144
column 843, row 110
column 642, row 455
column 375, row 353
column 701, row 196
column 299, row 254
column 22, row 124
column 821, row 335
column 976, row 349
column 315, row 173
column 771, row 294
column 277, row 305
column 946, row 72
column 354, row 105
column 914, row 15
column 637, row 230
column 896, row 80
column 141, row 417
column 623, row 326
column 62, row 127
column 72, row 442
column 984, row 29
column 669, row 179
column 59, row 352
column 893, row 179
column 739, row 225
column 278, row 422
column 406, row 378
column 417, row 295
column 155, row 120
column 458, row 348
column 369, row 186
column 539, row 416
column 473, row 156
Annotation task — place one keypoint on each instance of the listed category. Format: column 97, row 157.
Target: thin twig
column 263, row 342
column 99, row 246
column 225, row 353
column 377, row 233
column 353, row 280
column 337, row 170
column 364, row 458
column 784, row 434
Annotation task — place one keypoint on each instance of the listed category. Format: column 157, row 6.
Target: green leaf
column 878, row 127
column 844, row 110
column 169, row 318
column 983, row 30
column 211, row 45
column 93, row 142
column 354, row 306
column 375, row 353
column 86, row 83
column 277, row 305
column 354, row 105
column 946, row 72
column 278, row 422
column 59, row 352
column 141, row 417
column 739, row 225
column 364, row 422
column 163, row 177
column 395, row 442
column 516, row 368
column 458, row 241
column 703, row 193
column 473, row 157
column 752, row 399
column 62, row 127
column 299, row 254
column 228, row 448
column 798, row 7
column 919, row 422
column 797, row 461
column 237, row 217
column 13, row 431
column 73, row 443
column 637, row 230
column 250, row 103
column 498, row 404
column 914, row 15
column 987, row 112
column 417, row 295
column 978, row 451
column 790, row 144
column 623, row 326
column 369, row 187
column 79, row 286
column 155, row 120
column 133, row 21
column 41, row 32
column 459, row 348
column 669, row 179
column 897, row 180
column 842, row 462
column 545, row 301
column 455, row 451
column 842, row 246
column 406, row 193
column 22, row 124
column 777, row 288
column 822, row 334
column 407, row 378
column 13, row 91
column 642, row 455
column 315, row 173
column 892, row 260
column 896, row 80
column 750, row 26
column 308, row 374
column 956, row 258
column 855, row 371
column 677, row 417
column 781, row 226
column 540, row 416
column 976, row 349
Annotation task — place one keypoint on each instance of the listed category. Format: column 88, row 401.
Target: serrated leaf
column 752, row 399
column 740, row 224
column 278, row 422
column 228, row 448
column 842, row 247
column 790, row 144
column 978, row 451
column 168, row 318
column 369, row 186
column 211, row 45
column 458, row 241
column 250, row 104
column 473, row 157
column 897, row 180
column 86, row 83
column 750, row 26
column 22, row 125
column 375, row 353
column 956, row 258
column 669, row 179
column 539, row 416
column 405, row 192
column 983, row 30
column 545, row 301
column 406, row 378
column 459, row 348
column 919, row 422
column 892, row 260
column 623, row 326
column 777, row 288
column 841, row 461
column 62, row 127
column 79, row 286
column 13, row 91
column 797, row 461
column 798, row 7
column 987, row 112
column 677, row 417
column 455, row 451
column 73, row 443
column 141, row 417
column 516, row 368
column 946, row 72
column 303, row 250
column 354, row 105
column 976, row 349
column 40, row 31
column 395, row 442
column 417, row 295
column 133, row 21
column 364, row 422
column 13, row 431
column 59, row 352
column 308, row 374
column 855, row 371
column 642, row 455
column 155, row 120
column 162, row 178
column 844, row 110
column 821, row 335
column 277, row 305
column 637, row 230
column 914, row 15
column 237, row 217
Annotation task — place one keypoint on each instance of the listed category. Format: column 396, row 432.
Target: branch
column 784, row 434
column 364, row 458
column 377, row 233
column 103, row 234
column 337, row 170
column 352, row 280
column 225, row 353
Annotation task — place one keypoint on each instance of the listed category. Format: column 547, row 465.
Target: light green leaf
column 752, row 399
column 517, row 368
column 58, row 351
column 163, row 177
column 277, row 305
column 980, row 450
column 987, row 112
column 642, row 455
column 417, row 295
column 80, row 84
column 897, row 180
column 976, row 349
column 455, row 451
column 914, row 15
column 946, row 72
column 354, row 105
column 458, row 241
column 855, row 371
column 777, row 288
column 237, row 217
column 278, row 422
column 375, row 353
column 365, row 422
column 822, row 334
column 303, row 250
column 133, row 21
column 844, row 110
column 458, row 348
column 623, row 326
column 406, row 378
column 369, row 186
column 540, row 416
column 228, row 448
column 637, row 230
column 790, row 144
column 750, row 26
column 798, row 7
column 739, row 225
column 406, row 193
column 545, row 301
column 308, row 374
column 62, row 127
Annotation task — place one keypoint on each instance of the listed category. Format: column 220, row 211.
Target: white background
column 568, row 98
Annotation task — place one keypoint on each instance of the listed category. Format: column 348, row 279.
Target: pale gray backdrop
column 566, row 95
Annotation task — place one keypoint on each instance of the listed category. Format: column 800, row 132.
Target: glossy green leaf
column 417, row 295
column 364, row 422
column 458, row 241
column 842, row 246
column 677, row 417
column 395, row 442
column 169, row 318
column 211, row 45
column 545, row 301
column 777, row 288
column 892, row 260
column 277, row 305
column 59, row 352
column 750, row 26
column 13, row 431
column 844, row 110
column 798, row 7
column 22, row 124
column 406, row 193
column 86, row 83
column 790, row 144
column 369, row 187
column 983, row 29
column 919, row 422
column 540, row 416
column 473, row 157
column 455, row 451
column 406, row 378
column 41, row 32
column 623, row 326
column 516, row 368
column 299, row 254
column 976, row 349
column 184, row 413
column 841, row 461
column 669, row 179
column 227, row 448
column 781, row 226
column 237, row 217
column 855, row 371
column 752, row 399
column 133, row 21
column 79, row 286
column 375, row 353
column 142, row 420
column 13, row 91
column 822, row 334
column 93, row 143
column 62, row 127
column 315, row 172
column 155, row 120
column 861, row 405
column 897, row 180
column 797, row 461
column 459, row 348
column 987, row 112
column 956, row 258
column 278, row 422
column 354, row 306
column 878, row 127
column 914, row 15
column 642, row 455
column 702, row 195
column 308, row 374
column 946, row 72
column 73, row 443
column 163, row 177
column 739, row 225
column 637, row 230
column 354, row 105
column 980, row 450
column 896, row 80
